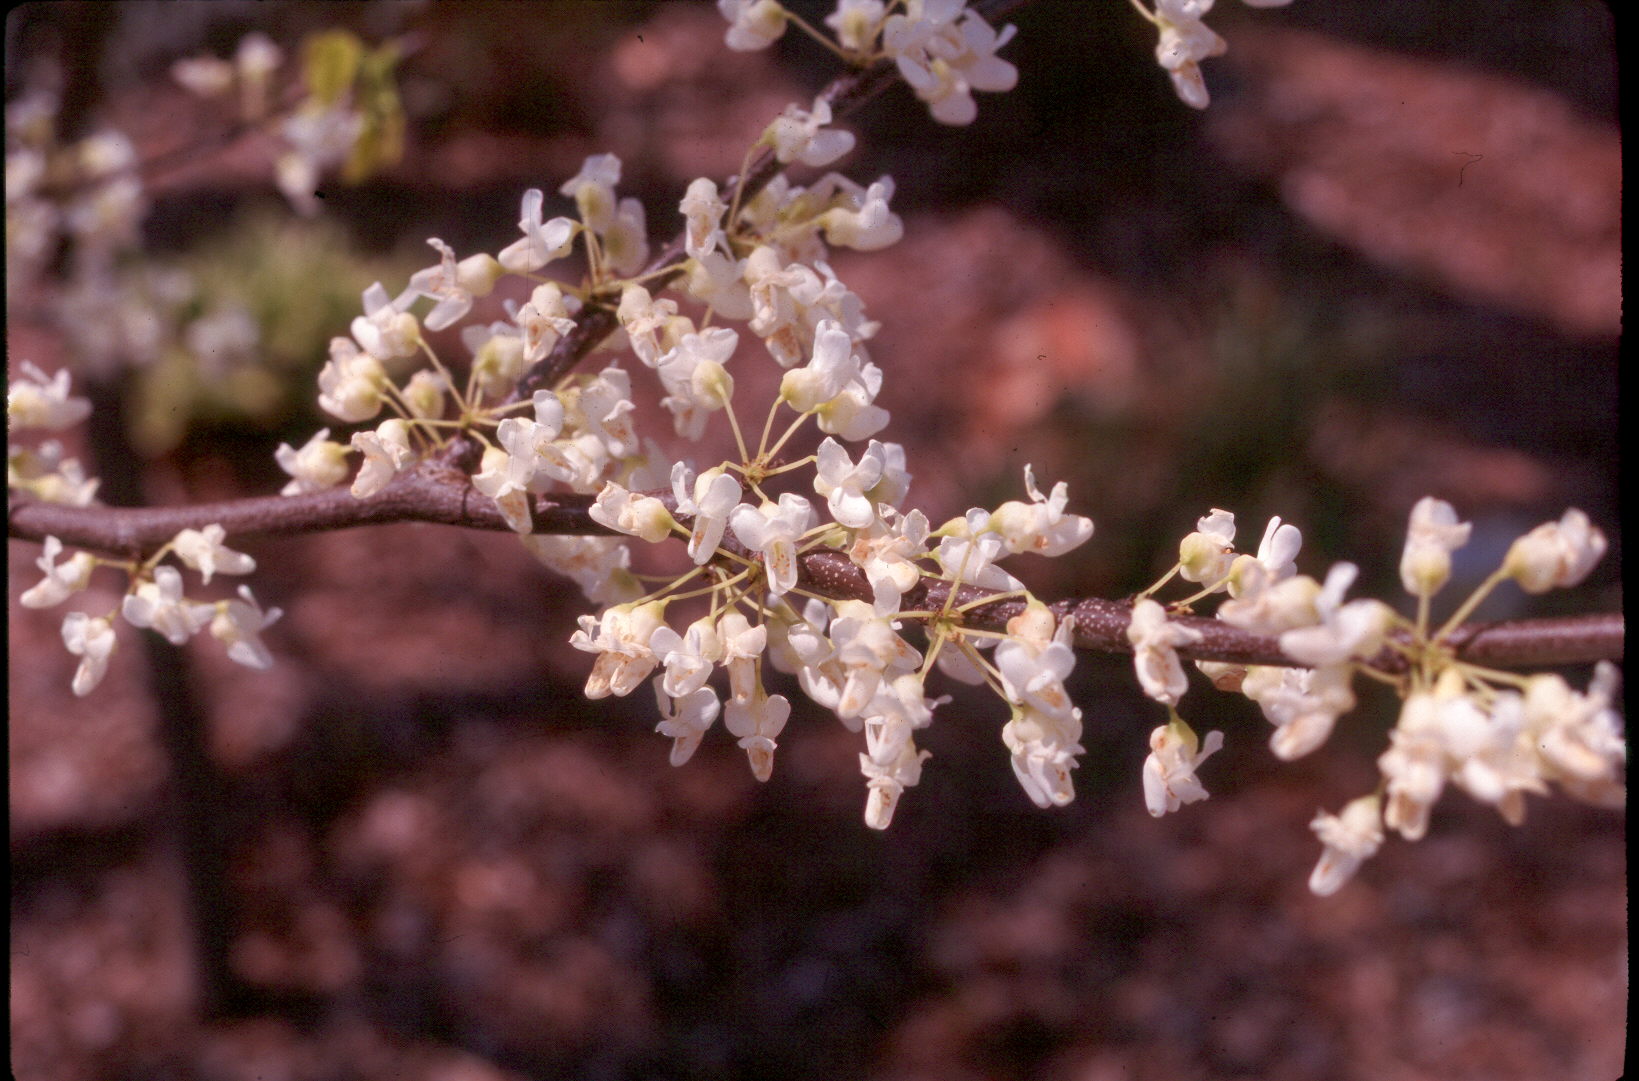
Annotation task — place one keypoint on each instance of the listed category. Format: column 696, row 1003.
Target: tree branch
column 445, row 497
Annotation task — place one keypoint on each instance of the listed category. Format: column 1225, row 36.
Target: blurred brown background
column 1384, row 264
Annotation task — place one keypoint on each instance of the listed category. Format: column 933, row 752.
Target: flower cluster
column 1495, row 735
column 944, row 50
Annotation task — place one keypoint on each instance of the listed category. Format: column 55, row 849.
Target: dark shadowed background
column 1384, row 264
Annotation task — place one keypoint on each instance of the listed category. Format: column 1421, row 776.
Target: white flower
column 1040, row 526
column 718, row 281
column 541, row 322
column 702, row 212
column 92, row 640
column 1044, row 749
column 643, row 516
column 386, row 451
column 1155, row 641
column 1431, row 536
column 970, row 558
column 621, row 641
column 856, row 23
column 742, row 646
column 845, row 484
column 1355, row 630
column 1274, row 563
column 868, row 225
column 756, row 722
column 319, row 465
column 386, row 329
column 1351, row 838
column 944, row 53
column 710, row 499
column 1579, row 736
column 1302, row 703
column 238, row 625
column 757, row 24
column 160, row 606
column 52, row 477
column 644, row 320
column 62, row 580
column 203, row 550
column 453, row 284
column 1185, row 41
column 497, row 356
column 1555, row 553
column 599, row 565
column 831, row 368
column 868, row 651
column 205, row 76
column 685, row 719
column 351, row 382
column 1033, row 665
column 1169, row 771
column 626, row 241
column 543, row 241
column 687, row 657
column 886, row 553
column 797, row 135
column 505, row 479
column 1207, row 554
column 593, row 189
column 35, row 402
column 1264, row 608
column 604, row 408
column 773, row 532
column 891, row 763
column 696, row 381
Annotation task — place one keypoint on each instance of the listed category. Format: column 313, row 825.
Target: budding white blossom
column 62, row 580
column 1302, row 703
column 717, row 281
column 92, row 640
column 969, row 554
column 160, row 606
column 643, row 516
column 1555, row 553
column 798, row 135
column 1169, row 771
column 34, row 401
column 319, row 138
column 1040, row 526
column 1155, row 642
column 1263, row 607
column 891, row 763
column 497, row 356
column 203, row 550
column 1351, row 631
column 603, row 409
column 757, row 24
column 1044, row 749
column 453, row 284
column 685, row 719
column 543, row 241
column 710, row 498
column 621, row 641
column 773, row 531
column 1431, row 536
column 742, row 646
column 386, row 451
column 868, row 225
column 52, row 477
column 319, row 465
column 238, row 625
column 1207, row 554
column 1351, row 838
